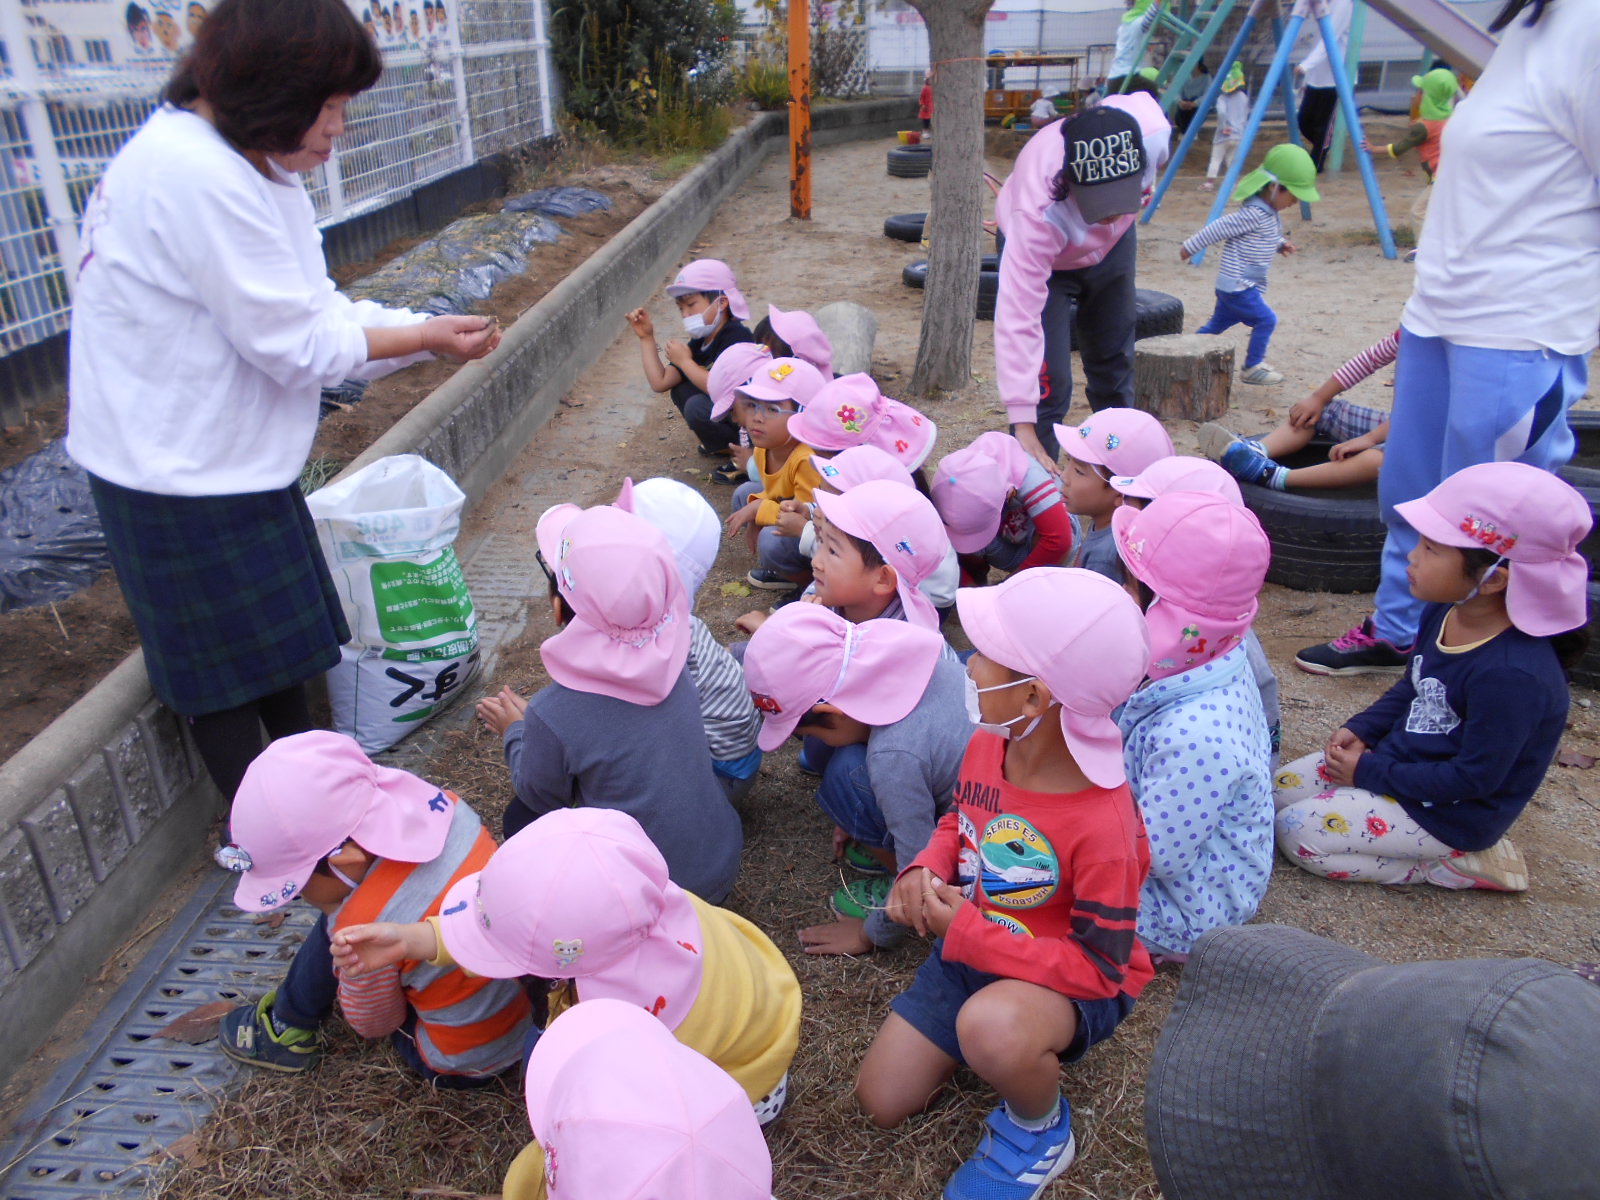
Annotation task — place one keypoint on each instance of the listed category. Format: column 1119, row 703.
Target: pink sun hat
column 581, row 893
column 684, row 517
column 1530, row 518
column 850, row 411
column 710, row 275
column 630, row 636
column 904, row 527
column 625, row 1111
column 1123, row 440
column 304, row 795
column 732, row 367
column 1205, row 559
column 860, row 464
column 804, row 336
column 1082, row 636
column 1179, row 473
column 807, row 654
column 971, row 486
column 783, row 379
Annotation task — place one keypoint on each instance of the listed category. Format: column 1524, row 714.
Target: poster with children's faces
column 160, row 30
column 409, row 24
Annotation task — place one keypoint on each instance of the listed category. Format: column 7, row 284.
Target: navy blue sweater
column 1464, row 739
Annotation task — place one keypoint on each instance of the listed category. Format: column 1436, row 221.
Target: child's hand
column 1286, row 247
column 1184, row 254
column 832, row 727
column 1340, row 755
column 1368, row 146
column 363, row 948
column 751, row 621
column 846, row 935
column 940, row 906
column 501, row 711
column 741, row 456
column 1354, row 446
column 792, row 518
column 741, row 517
column 460, row 339
column 678, row 354
column 1306, row 413
column 639, row 321
column 904, row 905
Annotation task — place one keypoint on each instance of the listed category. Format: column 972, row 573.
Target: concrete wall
column 105, row 806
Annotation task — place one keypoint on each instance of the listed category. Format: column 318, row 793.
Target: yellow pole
column 799, row 110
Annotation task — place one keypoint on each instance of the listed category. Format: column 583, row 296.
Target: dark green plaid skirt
column 230, row 593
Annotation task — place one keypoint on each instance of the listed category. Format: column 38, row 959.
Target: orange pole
column 799, row 110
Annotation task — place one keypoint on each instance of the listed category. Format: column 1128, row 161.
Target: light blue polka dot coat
column 1197, row 754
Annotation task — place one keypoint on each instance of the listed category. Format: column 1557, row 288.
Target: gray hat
column 1293, row 1067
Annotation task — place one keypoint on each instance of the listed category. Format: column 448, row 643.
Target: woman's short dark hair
column 267, row 67
column 1513, row 9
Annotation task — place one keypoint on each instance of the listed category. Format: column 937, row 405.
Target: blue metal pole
column 1286, row 89
column 1352, row 120
column 1207, row 103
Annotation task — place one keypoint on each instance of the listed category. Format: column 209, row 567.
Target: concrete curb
column 110, row 802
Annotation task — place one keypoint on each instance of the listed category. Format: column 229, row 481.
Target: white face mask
column 695, row 324
column 1001, row 728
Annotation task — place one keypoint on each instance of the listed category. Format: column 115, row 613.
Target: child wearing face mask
column 713, row 311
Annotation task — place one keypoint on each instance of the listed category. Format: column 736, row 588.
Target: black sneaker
column 1359, row 652
column 708, row 452
column 729, row 473
column 769, row 581
column 246, row 1035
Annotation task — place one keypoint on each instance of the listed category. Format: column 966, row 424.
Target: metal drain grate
column 98, row 1125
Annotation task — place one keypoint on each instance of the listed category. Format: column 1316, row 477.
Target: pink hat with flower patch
column 1079, row 634
column 971, row 486
column 304, row 796
column 1530, row 518
column 624, row 1111
column 581, row 893
column 1122, row 440
column 1179, row 473
column 783, row 379
column 858, row 465
column 630, row 636
column 851, row 411
column 804, row 337
column 732, row 367
column 904, row 527
column 807, row 654
column 1205, row 559
column 710, row 275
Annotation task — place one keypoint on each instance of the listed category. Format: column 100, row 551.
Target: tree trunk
column 955, row 216
column 1183, row 375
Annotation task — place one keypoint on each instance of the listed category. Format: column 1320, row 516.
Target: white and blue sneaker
column 1012, row 1163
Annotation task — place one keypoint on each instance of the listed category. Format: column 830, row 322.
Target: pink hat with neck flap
column 1179, row 473
column 904, row 527
column 1205, row 559
column 803, row 336
column 630, row 636
column 732, row 367
column 710, row 275
column 783, row 379
column 858, row 465
column 851, row 411
column 971, row 486
column 807, row 654
column 1079, row 634
column 1122, row 440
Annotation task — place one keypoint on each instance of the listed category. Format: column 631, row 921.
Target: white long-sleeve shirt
column 204, row 324
column 1318, row 73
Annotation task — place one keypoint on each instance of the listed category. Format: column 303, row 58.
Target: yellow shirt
column 746, row 1019
column 795, row 480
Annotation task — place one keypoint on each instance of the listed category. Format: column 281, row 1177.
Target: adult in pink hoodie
column 1078, row 251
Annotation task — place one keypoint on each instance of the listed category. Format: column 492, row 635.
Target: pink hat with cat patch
column 858, row 465
column 904, row 527
column 1122, row 440
column 971, row 486
column 732, row 367
column 851, row 411
column 804, row 337
column 710, row 275
column 1179, row 473
column 807, row 654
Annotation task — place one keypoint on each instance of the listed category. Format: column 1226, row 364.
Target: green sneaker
column 857, row 858
column 860, row 897
column 246, row 1035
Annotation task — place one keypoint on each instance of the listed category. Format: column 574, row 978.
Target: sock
column 278, row 1027
column 1278, row 479
column 1038, row 1126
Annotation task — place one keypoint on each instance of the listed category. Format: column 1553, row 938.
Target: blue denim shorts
column 941, row 987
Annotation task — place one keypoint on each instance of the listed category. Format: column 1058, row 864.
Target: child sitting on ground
column 693, row 533
column 891, row 705
column 609, row 1075
column 1233, row 110
column 1358, row 433
column 1198, row 753
column 1114, row 441
column 619, row 725
column 1031, row 885
column 1001, row 509
column 713, row 311
column 1423, row 785
column 765, row 404
column 851, row 411
column 583, row 895
column 796, row 334
column 1254, row 233
column 399, row 844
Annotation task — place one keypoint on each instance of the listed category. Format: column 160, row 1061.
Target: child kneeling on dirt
column 398, row 844
column 1001, row 509
column 890, row 704
column 583, row 897
column 1036, row 959
column 1423, row 785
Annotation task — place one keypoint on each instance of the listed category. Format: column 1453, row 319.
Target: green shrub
column 764, row 81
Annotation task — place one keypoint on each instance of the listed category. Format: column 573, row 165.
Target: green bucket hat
column 1149, row 73
column 1439, row 88
column 1137, row 11
column 1286, row 164
column 1234, row 79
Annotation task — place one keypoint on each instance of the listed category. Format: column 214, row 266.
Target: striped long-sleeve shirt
column 1375, row 356
column 1253, row 234
column 730, row 716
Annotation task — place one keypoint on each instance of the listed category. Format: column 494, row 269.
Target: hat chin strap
column 844, row 663
column 1482, row 579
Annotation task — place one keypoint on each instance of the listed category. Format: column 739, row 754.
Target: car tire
column 907, row 227
column 910, row 162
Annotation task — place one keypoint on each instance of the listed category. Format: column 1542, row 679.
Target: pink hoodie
column 1036, row 246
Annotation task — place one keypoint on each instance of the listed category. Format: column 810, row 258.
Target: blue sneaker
column 1011, row 1163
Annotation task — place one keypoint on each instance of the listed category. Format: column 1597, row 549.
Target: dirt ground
column 361, row 1126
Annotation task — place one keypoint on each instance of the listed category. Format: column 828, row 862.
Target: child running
column 1002, row 509
column 1254, row 233
column 1113, row 442
column 1198, row 753
column 1423, row 785
column 1233, row 110
column 891, row 705
column 1031, row 885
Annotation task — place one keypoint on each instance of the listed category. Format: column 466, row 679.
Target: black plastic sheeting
column 51, row 544
column 559, row 202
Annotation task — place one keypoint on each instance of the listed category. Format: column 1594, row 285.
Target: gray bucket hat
column 1293, row 1067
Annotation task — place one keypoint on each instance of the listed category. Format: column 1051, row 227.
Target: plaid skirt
column 230, row 593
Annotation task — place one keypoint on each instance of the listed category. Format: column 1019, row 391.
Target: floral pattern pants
column 1348, row 832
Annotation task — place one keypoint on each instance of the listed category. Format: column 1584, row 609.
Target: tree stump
column 852, row 329
column 1184, row 375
